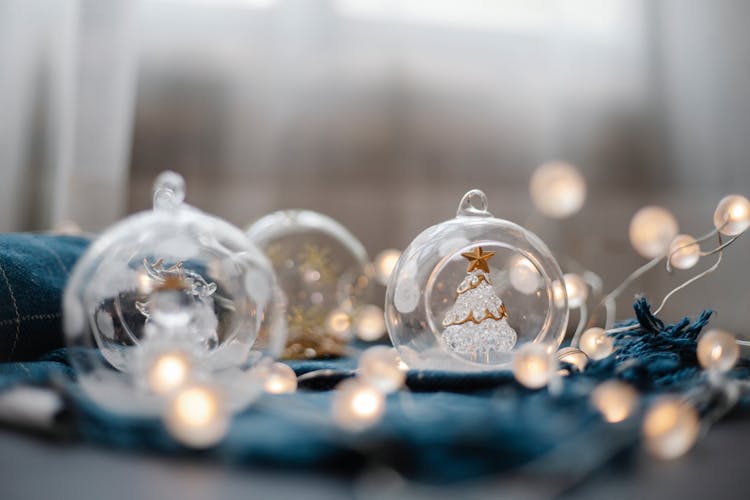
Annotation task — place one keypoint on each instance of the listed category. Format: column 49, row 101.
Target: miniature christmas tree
column 477, row 322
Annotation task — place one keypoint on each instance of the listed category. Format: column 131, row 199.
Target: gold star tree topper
column 478, row 259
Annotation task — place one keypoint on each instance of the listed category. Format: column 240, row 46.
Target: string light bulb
column 370, row 323
column 732, row 215
column 718, row 351
column 339, row 323
column 523, row 275
column 558, row 189
column 196, row 416
column 167, row 372
column 671, row 428
column 573, row 356
column 534, row 366
column 615, row 400
column 357, row 405
column 379, row 366
column 684, row 252
column 576, row 289
column 651, row 231
column 279, row 379
column 596, row 343
column 385, row 262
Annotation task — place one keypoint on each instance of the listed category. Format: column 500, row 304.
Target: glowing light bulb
column 559, row 294
column 573, row 356
column 279, row 379
column 718, row 351
column 168, row 372
column 370, row 323
column 558, row 189
column 576, row 289
column 732, row 215
column 379, row 366
column 196, row 417
column 596, row 343
column 339, row 323
column 385, row 262
column 533, row 365
column 357, row 405
column 615, row 400
column 523, row 275
column 652, row 229
column 671, row 428
column 684, row 251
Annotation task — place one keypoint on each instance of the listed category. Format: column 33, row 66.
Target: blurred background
column 382, row 113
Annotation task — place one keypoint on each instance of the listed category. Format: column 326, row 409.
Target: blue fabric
column 447, row 427
column 33, row 271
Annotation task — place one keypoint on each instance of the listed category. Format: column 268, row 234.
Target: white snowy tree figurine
column 477, row 323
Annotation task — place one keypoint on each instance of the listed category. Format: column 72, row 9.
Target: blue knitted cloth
column 446, row 427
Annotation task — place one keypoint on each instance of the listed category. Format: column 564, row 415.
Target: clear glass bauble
column 467, row 292
column 167, row 296
column 324, row 272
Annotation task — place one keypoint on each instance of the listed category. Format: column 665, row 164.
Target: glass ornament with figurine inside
column 167, row 298
column 467, row 292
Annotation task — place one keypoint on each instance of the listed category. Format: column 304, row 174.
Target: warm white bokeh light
column 533, row 365
column 523, row 275
column 196, row 417
column 576, row 289
column 357, row 404
column 279, row 379
column 559, row 294
column 558, row 189
column 380, row 367
column 573, row 356
column 339, row 324
column 684, row 252
column 615, row 400
column 370, row 323
column 168, row 372
column 651, row 231
column 732, row 215
column 596, row 343
column 718, row 351
column 671, row 428
column 384, row 264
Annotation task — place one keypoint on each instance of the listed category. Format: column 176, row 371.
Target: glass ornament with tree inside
column 443, row 315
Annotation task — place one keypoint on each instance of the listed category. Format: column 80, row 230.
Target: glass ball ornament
column 732, row 215
column 323, row 269
column 168, row 297
column 651, row 231
column 558, row 189
column 454, row 301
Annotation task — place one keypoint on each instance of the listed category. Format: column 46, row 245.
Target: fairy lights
column 534, row 366
column 671, row 427
column 357, row 405
column 370, row 323
column 651, row 231
column 279, row 379
column 385, row 261
column 558, row 189
column 576, row 289
column 732, row 215
column 168, row 372
column 596, row 343
column 379, row 366
column 684, row 252
column 615, row 400
column 718, row 351
column 196, row 416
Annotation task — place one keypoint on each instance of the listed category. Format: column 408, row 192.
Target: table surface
column 34, row 467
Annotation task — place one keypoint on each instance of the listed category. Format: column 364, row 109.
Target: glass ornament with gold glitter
column 470, row 291
column 323, row 270
column 168, row 296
